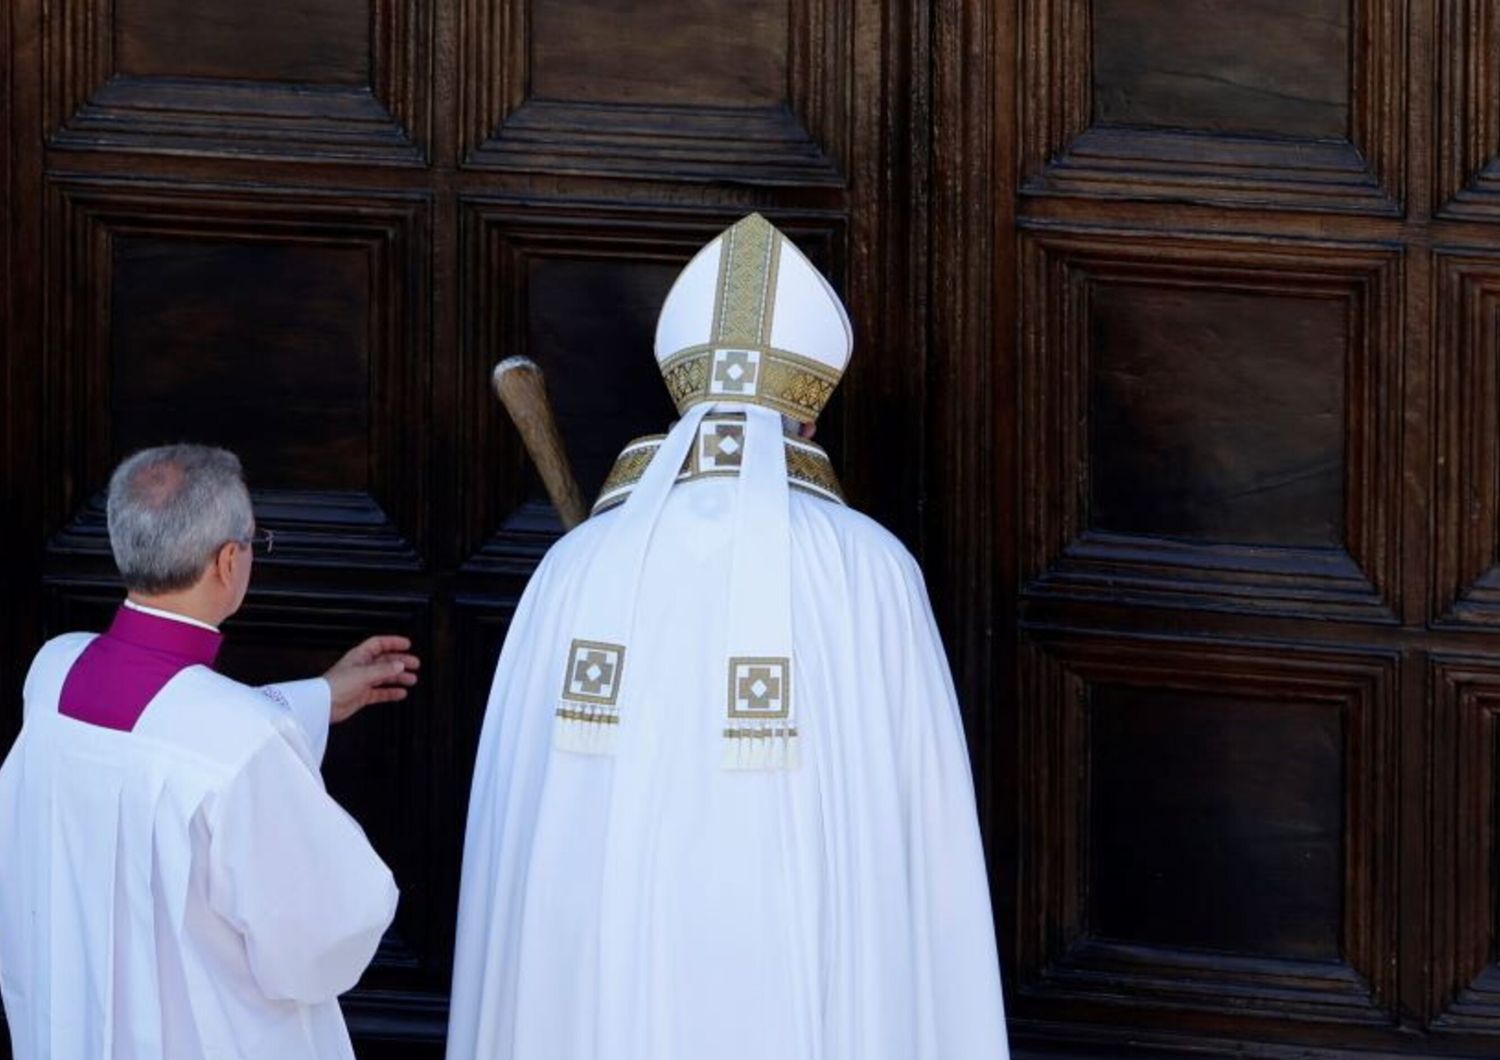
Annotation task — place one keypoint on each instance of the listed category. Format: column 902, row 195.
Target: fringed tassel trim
column 764, row 747
column 586, row 729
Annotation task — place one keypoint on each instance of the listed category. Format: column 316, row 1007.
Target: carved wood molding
column 1066, row 152
column 1061, row 962
column 805, row 141
column 1064, row 557
column 90, row 104
column 1466, row 981
column 1466, row 556
column 1467, row 133
column 383, row 529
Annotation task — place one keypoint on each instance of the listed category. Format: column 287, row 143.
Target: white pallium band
column 760, row 729
column 593, row 706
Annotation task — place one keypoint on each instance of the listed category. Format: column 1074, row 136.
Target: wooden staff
column 523, row 390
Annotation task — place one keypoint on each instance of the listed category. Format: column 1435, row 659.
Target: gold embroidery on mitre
column 687, row 379
column 796, row 386
column 718, row 453
column 747, row 283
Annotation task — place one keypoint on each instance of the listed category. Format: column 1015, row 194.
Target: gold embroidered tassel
column 761, row 747
column 760, row 729
column 590, row 731
column 588, row 717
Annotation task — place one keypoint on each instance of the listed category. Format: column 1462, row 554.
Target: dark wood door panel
column 289, row 327
column 1218, row 832
column 703, row 90
column 325, row 42
column 319, row 80
column 1256, row 527
column 1266, row 104
column 1467, row 143
column 1211, row 422
column 1466, row 921
column 1466, row 556
column 1224, row 68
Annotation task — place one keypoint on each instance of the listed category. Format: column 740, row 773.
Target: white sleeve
column 296, row 877
column 311, row 703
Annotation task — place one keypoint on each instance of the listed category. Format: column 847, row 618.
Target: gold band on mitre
column 757, row 375
column 717, row 452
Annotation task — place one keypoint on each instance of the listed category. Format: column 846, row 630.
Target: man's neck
column 179, row 605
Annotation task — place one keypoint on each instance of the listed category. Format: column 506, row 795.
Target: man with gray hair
column 178, row 883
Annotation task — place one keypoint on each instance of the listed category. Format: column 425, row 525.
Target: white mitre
column 751, row 320
column 750, row 327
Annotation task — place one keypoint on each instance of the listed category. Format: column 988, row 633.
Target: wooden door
column 1248, row 598
column 306, row 229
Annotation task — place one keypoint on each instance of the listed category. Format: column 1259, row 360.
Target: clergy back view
column 722, row 806
column 177, row 882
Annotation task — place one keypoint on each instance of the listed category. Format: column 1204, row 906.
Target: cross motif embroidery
column 760, row 688
column 735, row 371
column 723, row 445
column 593, row 674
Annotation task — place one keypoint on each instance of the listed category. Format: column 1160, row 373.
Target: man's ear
column 807, row 430
column 225, row 562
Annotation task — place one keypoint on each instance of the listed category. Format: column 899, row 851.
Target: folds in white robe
column 185, row 889
column 651, row 904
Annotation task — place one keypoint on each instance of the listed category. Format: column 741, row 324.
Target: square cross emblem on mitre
column 594, row 671
column 734, row 372
column 760, row 688
column 721, row 446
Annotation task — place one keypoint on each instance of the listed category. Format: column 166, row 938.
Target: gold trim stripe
column 578, row 715
column 793, row 385
column 807, row 465
column 747, row 284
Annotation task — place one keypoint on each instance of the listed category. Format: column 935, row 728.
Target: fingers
column 387, row 695
column 372, row 648
column 387, row 672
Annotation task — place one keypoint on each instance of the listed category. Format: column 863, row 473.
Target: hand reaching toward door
column 378, row 670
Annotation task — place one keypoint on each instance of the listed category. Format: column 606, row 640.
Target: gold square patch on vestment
column 760, row 687
column 594, row 671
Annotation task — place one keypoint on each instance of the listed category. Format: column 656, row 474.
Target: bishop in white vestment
column 722, row 808
column 177, row 885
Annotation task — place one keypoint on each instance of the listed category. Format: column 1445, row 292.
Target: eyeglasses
column 262, row 542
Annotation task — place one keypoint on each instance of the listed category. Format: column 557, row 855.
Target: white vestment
column 651, row 904
column 186, row 889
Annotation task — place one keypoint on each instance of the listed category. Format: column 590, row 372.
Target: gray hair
column 170, row 511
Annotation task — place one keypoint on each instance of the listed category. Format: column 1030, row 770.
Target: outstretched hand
column 379, row 670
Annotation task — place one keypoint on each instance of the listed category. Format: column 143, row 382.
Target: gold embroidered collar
column 717, row 452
